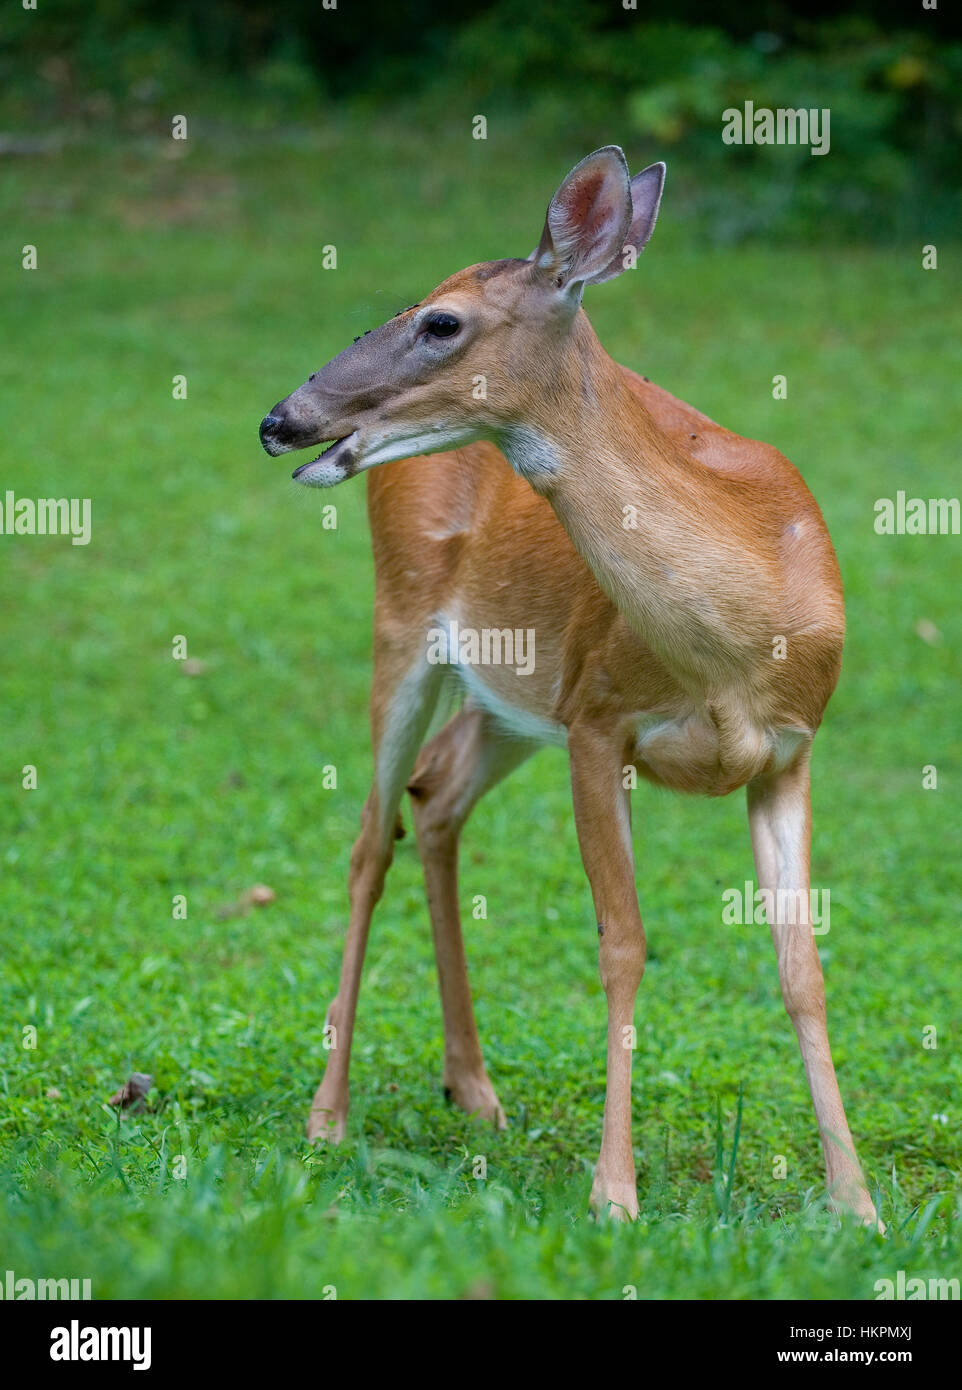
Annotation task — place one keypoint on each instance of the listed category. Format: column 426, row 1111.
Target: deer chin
column 361, row 450
column 333, row 465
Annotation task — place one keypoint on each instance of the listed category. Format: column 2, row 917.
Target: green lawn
column 153, row 783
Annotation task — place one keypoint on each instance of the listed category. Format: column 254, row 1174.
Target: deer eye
column 441, row 325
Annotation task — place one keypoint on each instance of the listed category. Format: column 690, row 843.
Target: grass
column 205, row 260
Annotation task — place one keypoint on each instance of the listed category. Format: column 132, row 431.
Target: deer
column 518, row 478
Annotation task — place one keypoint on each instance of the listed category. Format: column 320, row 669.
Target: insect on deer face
column 474, row 358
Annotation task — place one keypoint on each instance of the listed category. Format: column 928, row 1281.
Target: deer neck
column 650, row 520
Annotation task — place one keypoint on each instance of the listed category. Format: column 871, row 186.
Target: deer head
column 485, row 355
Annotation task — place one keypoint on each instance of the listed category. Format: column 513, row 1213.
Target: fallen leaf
column 480, row 1291
column 258, row 896
column 133, row 1091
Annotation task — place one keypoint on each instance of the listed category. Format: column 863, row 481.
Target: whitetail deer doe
column 516, row 451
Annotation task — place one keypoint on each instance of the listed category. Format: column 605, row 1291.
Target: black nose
column 269, row 425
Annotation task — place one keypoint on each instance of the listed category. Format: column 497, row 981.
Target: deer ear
column 646, row 191
column 588, row 219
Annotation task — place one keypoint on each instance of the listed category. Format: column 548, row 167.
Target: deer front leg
column 402, row 700
column 604, row 835
column 370, row 861
column 465, row 760
column 779, row 811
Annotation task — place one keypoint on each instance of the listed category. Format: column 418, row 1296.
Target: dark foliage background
column 581, row 70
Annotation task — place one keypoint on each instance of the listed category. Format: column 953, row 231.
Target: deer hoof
column 325, row 1126
column 476, row 1096
column 614, row 1201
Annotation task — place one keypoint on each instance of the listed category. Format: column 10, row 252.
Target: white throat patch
column 531, row 455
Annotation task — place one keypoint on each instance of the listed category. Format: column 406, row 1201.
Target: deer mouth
column 332, row 465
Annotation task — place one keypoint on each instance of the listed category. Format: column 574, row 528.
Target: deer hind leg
column 779, row 811
column 604, row 834
column 403, row 696
column 465, row 760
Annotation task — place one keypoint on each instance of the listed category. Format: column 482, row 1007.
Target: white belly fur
column 681, row 751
